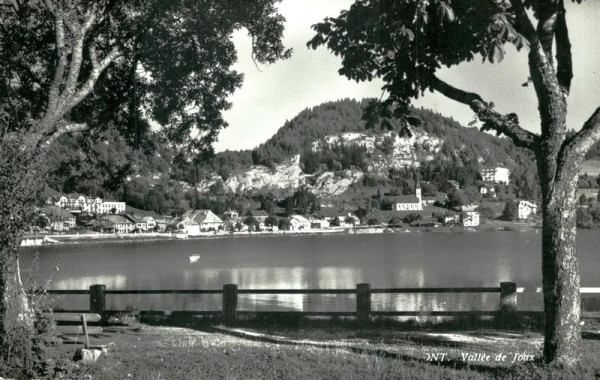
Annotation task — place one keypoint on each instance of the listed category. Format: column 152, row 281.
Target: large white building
column 527, row 210
column 80, row 203
column 496, row 175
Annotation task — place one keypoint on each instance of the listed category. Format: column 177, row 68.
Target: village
column 76, row 213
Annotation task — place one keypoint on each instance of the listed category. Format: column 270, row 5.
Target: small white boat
column 181, row 236
column 194, row 258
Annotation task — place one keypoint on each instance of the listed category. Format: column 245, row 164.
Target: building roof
column 134, row 218
column 116, row 219
column 299, row 218
column 259, row 213
column 50, row 192
column 188, row 222
column 407, row 199
column 202, row 216
column 527, row 203
column 56, row 213
column 467, row 208
column 74, row 196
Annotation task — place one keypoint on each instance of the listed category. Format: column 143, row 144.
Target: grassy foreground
column 334, row 352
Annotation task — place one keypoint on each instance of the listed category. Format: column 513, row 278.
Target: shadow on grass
column 283, row 329
column 291, row 321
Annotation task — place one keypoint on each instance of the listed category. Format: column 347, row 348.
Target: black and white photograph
column 299, row 189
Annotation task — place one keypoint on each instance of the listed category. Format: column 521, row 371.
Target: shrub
column 373, row 222
column 412, row 217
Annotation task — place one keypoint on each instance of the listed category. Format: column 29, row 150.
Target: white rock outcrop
column 401, row 152
column 285, row 176
column 330, row 183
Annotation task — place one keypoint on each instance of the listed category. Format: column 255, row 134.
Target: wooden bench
column 77, row 324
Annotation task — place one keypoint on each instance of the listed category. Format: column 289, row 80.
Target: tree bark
column 560, row 270
column 561, row 281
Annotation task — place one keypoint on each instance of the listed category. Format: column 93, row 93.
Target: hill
column 329, row 149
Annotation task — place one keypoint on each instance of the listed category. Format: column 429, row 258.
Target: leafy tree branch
column 493, row 120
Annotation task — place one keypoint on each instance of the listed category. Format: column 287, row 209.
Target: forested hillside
column 464, row 151
column 335, row 150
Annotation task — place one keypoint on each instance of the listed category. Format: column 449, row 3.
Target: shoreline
column 61, row 239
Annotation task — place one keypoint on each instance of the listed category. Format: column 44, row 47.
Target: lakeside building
column 150, row 222
column 299, row 223
column 58, row 219
column 526, row 210
column 470, row 219
column 151, row 218
column 140, row 223
column 319, row 224
column 105, row 207
column 451, row 219
column 205, row 220
column 497, row 174
column 410, row 202
column 231, row 215
column 77, row 203
column 189, row 226
column 114, row 222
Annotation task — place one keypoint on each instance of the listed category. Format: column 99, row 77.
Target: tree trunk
column 560, row 271
column 16, row 316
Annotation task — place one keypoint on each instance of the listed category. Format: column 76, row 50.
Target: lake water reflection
column 309, row 262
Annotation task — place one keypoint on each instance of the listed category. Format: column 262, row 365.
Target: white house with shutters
column 299, row 223
column 496, row 174
column 527, row 210
column 470, row 219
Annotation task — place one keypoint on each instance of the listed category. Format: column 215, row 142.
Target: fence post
column 508, row 301
column 230, row 298
column 363, row 303
column 97, row 299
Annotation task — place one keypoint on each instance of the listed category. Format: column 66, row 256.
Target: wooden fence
column 507, row 306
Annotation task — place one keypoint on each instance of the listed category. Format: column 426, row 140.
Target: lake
column 416, row 259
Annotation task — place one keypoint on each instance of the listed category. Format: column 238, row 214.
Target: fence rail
column 230, row 292
column 506, row 309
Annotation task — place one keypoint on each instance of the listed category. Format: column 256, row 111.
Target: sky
column 272, row 94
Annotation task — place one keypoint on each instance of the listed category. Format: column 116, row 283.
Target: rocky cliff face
column 285, row 176
column 330, row 183
column 407, row 152
column 386, row 151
